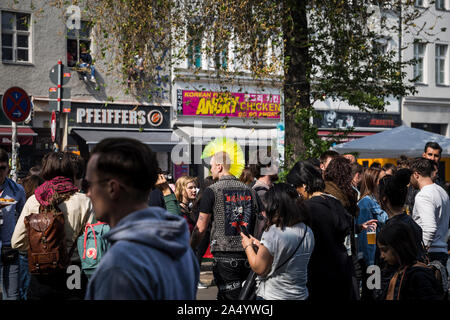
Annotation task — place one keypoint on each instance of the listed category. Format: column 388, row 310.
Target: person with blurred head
column 402, row 162
column 431, row 210
column 265, row 176
column 57, row 190
column 350, row 157
column 357, row 172
column 281, row 261
column 375, row 164
column 79, row 169
column 186, row 192
column 30, row 183
column 315, row 162
column 247, row 177
column 150, row 257
column 35, row 170
column 10, row 258
column 389, row 169
column 325, row 159
column 202, row 247
column 163, row 196
column 412, row 280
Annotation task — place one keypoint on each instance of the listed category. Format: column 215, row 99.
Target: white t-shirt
column 289, row 281
column 432, row 212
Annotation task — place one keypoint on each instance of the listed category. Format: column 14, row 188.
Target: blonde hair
column 181, row 185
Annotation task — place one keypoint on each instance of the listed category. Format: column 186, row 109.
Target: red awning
column 24, row 136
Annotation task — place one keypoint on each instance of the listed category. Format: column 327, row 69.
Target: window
column 15, row 37
column 419, row 56
column 418, row 3
column 194, row 54
column 381, row 46
column 441, row 64
column 76, row 39
column 440, row 4
column 221, row 59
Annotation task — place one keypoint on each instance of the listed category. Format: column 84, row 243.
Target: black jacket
column 418, row 283
column 330, row 268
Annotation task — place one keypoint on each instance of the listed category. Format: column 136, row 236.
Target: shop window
column 15, row 36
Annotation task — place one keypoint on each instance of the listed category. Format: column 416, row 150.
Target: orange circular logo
column 155, row 118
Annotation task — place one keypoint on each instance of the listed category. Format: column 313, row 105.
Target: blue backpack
column 92, row 246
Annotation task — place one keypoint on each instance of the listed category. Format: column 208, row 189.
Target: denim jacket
column 11, row 213
column 369, row 209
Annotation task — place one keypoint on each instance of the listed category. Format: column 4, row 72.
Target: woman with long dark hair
column 329, row 270
column 281, row 260
column 412, row 280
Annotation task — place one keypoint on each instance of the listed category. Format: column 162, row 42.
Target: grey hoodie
column 150, row 259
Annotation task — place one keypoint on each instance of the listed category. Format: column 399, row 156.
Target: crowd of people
column 314, row 236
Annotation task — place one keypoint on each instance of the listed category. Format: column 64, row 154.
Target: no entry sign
column 16, row 104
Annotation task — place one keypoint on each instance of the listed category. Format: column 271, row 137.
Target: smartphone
column 245, row 231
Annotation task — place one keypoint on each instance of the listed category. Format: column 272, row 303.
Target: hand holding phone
column 245, row 231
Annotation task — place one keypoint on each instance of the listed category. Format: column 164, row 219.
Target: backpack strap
column 293, row 253
column 393, row 283
column 87, row 226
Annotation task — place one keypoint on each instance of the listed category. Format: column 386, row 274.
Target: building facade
column 33, row 41
column 429, row 109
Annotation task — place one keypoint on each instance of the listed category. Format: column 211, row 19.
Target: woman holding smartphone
column 282, row 256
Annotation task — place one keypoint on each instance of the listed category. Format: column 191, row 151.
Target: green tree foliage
column 315, row 49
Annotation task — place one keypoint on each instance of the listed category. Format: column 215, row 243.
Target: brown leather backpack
column 47, row 252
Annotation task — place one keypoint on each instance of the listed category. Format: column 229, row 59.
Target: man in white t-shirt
column 431, row 210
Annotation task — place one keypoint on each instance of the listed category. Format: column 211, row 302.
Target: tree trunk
column 297, row 71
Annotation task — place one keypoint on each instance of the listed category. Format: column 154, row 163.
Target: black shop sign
column 98, row 115
column 345, row 120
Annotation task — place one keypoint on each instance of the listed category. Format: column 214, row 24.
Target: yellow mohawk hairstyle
column 232, row 148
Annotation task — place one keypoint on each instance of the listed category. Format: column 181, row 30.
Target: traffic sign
column 53, row 126
column 16, row 104
column 65, row 77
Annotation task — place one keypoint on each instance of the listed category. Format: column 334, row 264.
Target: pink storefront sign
column 228, row 104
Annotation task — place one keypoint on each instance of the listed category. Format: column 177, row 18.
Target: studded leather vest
column 234, row 206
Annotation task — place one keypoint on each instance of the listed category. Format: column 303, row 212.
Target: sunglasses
column 3, row 167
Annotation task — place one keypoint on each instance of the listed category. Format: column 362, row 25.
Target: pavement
column 206, row 276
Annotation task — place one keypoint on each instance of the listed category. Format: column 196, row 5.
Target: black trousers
column 230, row 270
